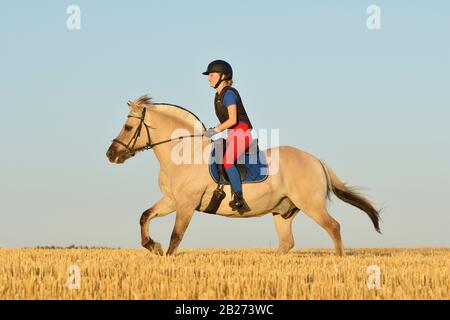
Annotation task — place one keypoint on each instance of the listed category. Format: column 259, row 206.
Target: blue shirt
column 229, row 98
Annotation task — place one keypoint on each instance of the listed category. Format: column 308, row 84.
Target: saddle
column 242, row 168
column 252, row 165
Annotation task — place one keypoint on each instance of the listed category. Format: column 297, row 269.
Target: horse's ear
column 131, row 105
column 134, row 107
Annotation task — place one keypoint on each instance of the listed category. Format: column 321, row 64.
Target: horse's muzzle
column 116, row 156
column 110, row 153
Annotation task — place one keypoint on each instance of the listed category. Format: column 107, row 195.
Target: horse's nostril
column 109, row 153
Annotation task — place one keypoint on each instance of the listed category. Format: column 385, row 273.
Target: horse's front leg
column 184, row 215
column 163, row 207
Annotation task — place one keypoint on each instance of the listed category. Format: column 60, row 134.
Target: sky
column 374, row 104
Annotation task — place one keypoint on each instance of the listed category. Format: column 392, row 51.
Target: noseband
column 149, row 145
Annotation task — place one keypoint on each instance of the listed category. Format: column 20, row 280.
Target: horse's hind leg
column 315, row 208
column 331, row 226
column 284, row 231
column 159, row 209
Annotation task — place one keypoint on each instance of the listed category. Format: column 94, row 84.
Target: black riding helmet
column 220, row 66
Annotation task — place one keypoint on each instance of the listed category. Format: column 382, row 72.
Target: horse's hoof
column 170, row 252
column 158, row 249
column 155, row 248
column 282, row 251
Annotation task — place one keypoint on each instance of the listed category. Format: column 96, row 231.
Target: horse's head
column 135, row 133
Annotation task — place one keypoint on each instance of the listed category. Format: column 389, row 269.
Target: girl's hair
column 228, row 82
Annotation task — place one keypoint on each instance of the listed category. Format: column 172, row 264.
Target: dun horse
column 300, row 182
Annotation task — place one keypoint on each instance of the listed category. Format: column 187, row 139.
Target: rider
column 232, row 116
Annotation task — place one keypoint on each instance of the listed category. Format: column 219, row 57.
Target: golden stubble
column 225, row 274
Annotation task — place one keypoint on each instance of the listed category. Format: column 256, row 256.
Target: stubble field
column 225, row 274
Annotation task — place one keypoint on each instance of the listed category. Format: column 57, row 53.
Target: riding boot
column 238, row 203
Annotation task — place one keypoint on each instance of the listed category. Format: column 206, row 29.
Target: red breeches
column 238, row 141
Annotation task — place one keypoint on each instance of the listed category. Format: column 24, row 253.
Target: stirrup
column 238, row 203
column 243, row 208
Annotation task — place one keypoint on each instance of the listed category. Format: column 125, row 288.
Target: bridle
column 149, row 145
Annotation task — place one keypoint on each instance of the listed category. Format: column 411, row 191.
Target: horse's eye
column 128, row 128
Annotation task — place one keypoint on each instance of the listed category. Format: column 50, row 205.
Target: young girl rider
column 232, row 116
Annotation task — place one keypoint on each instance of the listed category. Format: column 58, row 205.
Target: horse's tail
column 350, row 195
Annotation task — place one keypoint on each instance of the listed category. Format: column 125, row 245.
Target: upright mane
column 144, row 101
column 178, row 112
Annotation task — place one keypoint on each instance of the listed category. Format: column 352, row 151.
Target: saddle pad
column 256, row 164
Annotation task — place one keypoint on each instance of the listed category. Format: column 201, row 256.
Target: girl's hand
column 210, row 133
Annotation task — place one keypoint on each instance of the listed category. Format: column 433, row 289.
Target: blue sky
column 373, row 104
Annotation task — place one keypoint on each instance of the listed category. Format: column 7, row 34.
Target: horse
column 299, row 182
